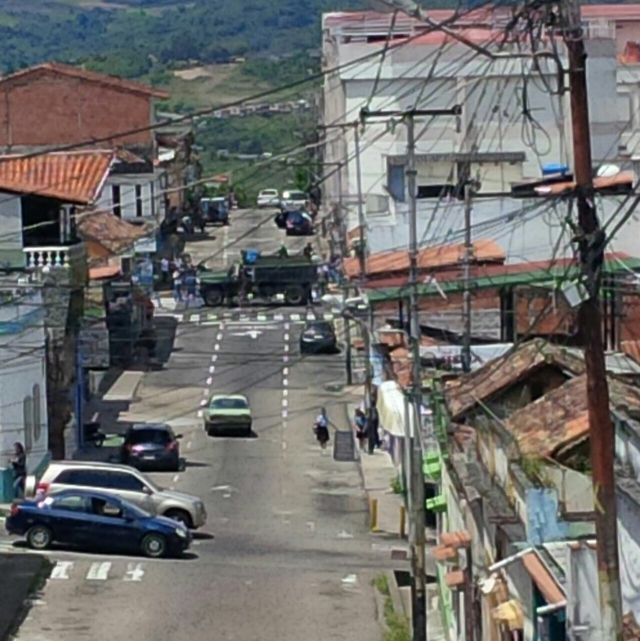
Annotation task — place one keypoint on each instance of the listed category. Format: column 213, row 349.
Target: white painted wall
column 10, row 230
column 149, row 194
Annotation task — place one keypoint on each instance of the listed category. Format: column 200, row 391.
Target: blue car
column 298, row 223
column 96, row 520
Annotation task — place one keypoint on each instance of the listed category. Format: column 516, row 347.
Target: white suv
column 268, row 198
column 127, row 483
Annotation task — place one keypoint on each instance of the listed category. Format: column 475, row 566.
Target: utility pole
column 362, row 252
column 468, row 255
column 591, row 242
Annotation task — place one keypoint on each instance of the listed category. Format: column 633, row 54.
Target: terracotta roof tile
column 556, row 422
column 631, row 349
column 109, row 231
column 428, row 258
column 506, row 370
column 73, row 177
column 91, row 76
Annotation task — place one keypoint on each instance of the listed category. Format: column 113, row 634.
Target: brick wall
column 51, row 109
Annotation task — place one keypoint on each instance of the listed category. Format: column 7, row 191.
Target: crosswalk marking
column 203, row 318
column 61, row 569
column 99, row 571
column 134, row 572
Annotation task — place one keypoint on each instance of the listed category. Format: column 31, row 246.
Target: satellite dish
column 608, row 171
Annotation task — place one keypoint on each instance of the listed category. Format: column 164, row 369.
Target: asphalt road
column 291, row 558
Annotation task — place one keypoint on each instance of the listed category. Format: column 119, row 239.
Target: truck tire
column 295, row 296
column 213, row 297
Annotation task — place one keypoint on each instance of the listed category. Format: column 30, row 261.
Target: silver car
column 125, row 482
column 293, row 200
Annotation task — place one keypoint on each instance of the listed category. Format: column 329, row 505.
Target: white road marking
column 189, row 444
column 61, row 569
column 285, row 392
column 205, row 392
column 216, row 347
column 219, row 337
column 99, row 571
column 200, row 414
column 212, row 316
column 210, row 381
column 226, row 496
column 285, row 402
column 286, row 348
column 203, row 402
column 311, row 525
column 285, row 413
column 285, row 359
column 350, row 579
column 210, row 324
column 294, row 317
column 285, row 382
column 222, row 488
column 212, row 369
column 262, row 317
column 134, row 572
column 177, row 476
column 285, row 371
column 286, row 337
column 95, row 417
column 343, row 534
column 328, row 316
column 278, row 317
column 287, row 326
column 214, row 357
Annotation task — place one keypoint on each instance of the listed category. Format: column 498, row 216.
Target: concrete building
column 514, row 121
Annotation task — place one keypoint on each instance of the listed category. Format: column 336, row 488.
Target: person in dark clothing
column 19, row 465
column 321, row 428
column 361, row 428
column 308, row 250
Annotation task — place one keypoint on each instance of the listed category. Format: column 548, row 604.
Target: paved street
column 291, row 558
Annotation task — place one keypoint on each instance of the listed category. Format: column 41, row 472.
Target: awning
column 392, row 409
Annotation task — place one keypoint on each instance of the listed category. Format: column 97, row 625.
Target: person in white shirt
column 321, row 428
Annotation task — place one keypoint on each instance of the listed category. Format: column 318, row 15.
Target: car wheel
column 154, row 545
column 294, row 296
column 213, row 297
column 181, row 516
column 39, row 537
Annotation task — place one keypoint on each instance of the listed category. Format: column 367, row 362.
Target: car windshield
column 297, row 195
column 229, row 404
column 269, row 192
column 322, row 328
column 157, row 436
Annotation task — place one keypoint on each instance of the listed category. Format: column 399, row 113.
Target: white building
column 514, row 121
column 23, row 387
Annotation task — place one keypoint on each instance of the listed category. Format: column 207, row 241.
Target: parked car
column 268, row 198
column 96, row 520
column 318, row 336
column 293, row 200
column 125, row 482
column 215, row 210
column 299, row 223
column 151, row 446
column 228, row 413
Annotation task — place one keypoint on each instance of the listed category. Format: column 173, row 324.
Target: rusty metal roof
column 58, row 68
column 484, row 251
column 72, row 177
column 112, row 233
column 500, row 373
column 558, row 421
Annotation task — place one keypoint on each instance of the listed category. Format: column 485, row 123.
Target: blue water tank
column 554, row 168
column 251, row 255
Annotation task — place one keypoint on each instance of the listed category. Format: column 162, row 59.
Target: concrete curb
column 394, row 593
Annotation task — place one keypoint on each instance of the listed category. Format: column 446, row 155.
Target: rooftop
column 72, row 177
column 109, row 231
column 484, row 383
column 58, row 68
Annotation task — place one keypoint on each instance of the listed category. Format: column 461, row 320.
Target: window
column 71, row 503
column 435, row 191
column 37, row 418
column 153, row 198
column 155, row 436
column 85, row 478
column 395, row 182
column 139, row 201
column 27, row 417
column 116, row 206
column 123, row 481
column 229, row 404
column 102, row 507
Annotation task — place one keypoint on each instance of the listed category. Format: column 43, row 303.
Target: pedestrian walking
column 164, row 271
column 191, row 282
column 19, row 464
column 177, row 285
column 361, row 428
column 321, row 428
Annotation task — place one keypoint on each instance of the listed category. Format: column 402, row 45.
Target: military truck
column 267, row 277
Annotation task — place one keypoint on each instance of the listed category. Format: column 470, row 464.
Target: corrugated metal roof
column 73, row 177
column 623, row 179
column 484, row 250
column 109, row 231
column 91, row 76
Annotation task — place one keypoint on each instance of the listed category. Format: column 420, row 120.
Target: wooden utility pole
column 591, row 242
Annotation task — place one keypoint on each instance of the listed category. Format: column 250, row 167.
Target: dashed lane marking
column 285, row 402
column 286, row 337
column 214, row 357
column 212, row 369
column 200, row 414
column 99, row 571
column 286, row 348
column 285, row 413
column 285, row 371
column 203, row 402
column 61, row 570
column 219, row 337
column 216, row 347
column 209, row 380
column 285, row 382
column 285, row 392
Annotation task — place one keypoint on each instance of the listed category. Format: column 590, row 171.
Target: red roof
column 484, row 250
column 90, row 76
column 73, row 177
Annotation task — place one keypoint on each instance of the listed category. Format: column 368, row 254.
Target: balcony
column 39, row 257
column 48, row 259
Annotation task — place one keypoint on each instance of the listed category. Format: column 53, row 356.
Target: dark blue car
column 96, row 520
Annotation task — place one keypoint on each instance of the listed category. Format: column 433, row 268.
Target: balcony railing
column 71, row 260
column 38, row 257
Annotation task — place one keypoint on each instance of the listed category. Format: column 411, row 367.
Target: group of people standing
column 182, row 277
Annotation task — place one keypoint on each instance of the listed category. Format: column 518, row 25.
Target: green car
column 227, row 413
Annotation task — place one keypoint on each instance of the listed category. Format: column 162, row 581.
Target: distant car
column 293, row 200
column 318, row 336
column 151, row 446
column 228, row 413
column 299, row 223
column 268, row 198
column 215, row 210
column 125, row 482
column 96, row 520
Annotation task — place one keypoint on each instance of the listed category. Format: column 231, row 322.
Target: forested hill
column 127, row 37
